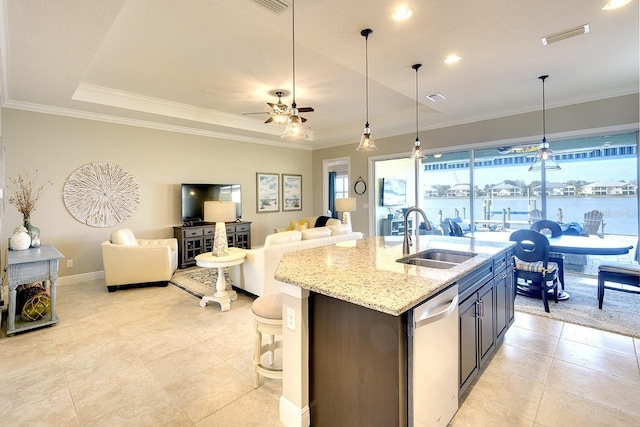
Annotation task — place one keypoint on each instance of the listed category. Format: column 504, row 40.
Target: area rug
column 197, row 281
column 620, row 311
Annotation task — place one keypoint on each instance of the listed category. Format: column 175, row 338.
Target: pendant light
column 366, row 141
column 544, row 158
column 294, row 128
column 417, row 149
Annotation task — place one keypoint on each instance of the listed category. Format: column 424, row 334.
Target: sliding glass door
column 594, row 194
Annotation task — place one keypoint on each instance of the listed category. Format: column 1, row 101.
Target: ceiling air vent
column 276, row 6
column 573, row 32
column 436, row 97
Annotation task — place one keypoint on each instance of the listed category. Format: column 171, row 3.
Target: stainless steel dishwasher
column 433, row 360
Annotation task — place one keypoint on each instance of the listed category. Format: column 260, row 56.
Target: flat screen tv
column 394, row 192
column 194, row 196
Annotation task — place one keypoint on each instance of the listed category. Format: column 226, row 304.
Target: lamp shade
column 347, row 204
column 219, row 211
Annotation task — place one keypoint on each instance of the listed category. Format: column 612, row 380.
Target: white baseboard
column 292, row 415
column 77, row 278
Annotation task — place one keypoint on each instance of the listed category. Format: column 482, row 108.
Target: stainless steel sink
column 437, row 258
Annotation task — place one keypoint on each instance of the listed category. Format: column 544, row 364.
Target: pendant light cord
column 366, row 76
column 293, row 26
column 544, row 113
column 417, row 103
column 417, row 67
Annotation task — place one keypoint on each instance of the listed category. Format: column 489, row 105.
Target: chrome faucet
column 407, row 238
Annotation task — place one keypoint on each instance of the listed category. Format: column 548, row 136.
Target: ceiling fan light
column 294, row 128
column 366, row 141
column 280, row 118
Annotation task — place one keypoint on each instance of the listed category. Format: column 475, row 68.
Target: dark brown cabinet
column 486, row 312
column 358, row 365
column 192, row 241
column 505, row 294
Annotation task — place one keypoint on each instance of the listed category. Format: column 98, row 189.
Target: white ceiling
column 197, row 65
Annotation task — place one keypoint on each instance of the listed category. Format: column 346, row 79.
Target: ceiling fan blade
column 303, row 119
column 305, row 109
column 269, row 120
column 257, row 112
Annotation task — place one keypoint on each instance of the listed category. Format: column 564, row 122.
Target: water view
column 620, row 213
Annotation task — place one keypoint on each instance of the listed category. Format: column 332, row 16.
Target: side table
column 222, row 296
column 32, row 265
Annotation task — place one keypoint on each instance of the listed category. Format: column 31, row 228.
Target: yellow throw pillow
column 298, row 226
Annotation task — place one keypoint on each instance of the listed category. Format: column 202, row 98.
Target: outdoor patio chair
column 456, row 230
column 617, row 272
column 535, row 215
column 534, row 272
column 555, row 231
column 593, row 221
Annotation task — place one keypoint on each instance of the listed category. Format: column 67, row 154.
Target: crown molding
column 46, row 109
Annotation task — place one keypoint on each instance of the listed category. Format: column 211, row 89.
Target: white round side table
column 222, row 296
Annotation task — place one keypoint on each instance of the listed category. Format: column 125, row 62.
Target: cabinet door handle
column 478, row 310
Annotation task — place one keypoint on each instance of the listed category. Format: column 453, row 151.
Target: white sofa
column 335, row 225
column 257, row 271
column 130, row 261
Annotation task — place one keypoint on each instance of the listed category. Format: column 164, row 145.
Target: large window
column 342, row 185
column 594, row 194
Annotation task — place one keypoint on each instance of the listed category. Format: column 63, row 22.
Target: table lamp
column 220, row 212
column 346, row 205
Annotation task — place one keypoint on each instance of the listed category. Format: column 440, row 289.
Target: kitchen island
column 358, row 288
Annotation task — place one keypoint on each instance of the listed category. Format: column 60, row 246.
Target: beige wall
column 56, row 146
column 584, row 118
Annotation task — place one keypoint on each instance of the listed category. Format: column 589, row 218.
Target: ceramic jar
column 20, row 240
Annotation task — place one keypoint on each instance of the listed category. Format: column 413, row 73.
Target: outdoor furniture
column 456, row 230
column 535, row 215
column 534, row 273
column 592, row 223
column 624, row 274
column 555, row 231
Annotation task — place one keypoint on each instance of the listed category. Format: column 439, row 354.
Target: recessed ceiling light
column 573, row 32
column 401, row 12
column 614, row 4
column 452, row 59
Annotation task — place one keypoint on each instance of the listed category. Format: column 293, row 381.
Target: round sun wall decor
column 101, row 194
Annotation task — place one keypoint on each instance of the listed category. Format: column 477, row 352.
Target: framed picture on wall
column 267, row 195
column 291, row 192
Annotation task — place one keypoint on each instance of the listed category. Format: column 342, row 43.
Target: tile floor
column 153, row 356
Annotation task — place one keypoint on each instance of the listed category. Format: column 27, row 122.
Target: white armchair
column 131, row 261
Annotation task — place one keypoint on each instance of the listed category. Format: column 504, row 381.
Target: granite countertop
column 365, row 271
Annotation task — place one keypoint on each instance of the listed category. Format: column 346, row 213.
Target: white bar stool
column 267, row 315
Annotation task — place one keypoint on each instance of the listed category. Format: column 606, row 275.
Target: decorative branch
column 27, row 193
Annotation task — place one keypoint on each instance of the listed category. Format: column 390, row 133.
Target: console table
column 194, row 240
column 28, row 266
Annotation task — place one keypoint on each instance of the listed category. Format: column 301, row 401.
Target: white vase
column 20, row 240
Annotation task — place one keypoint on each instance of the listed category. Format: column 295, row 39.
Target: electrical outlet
column 291, row 318
column 69, row 263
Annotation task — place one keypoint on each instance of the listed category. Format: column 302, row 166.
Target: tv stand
column 198, row 237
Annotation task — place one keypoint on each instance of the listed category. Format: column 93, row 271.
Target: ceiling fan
column 280, row 112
